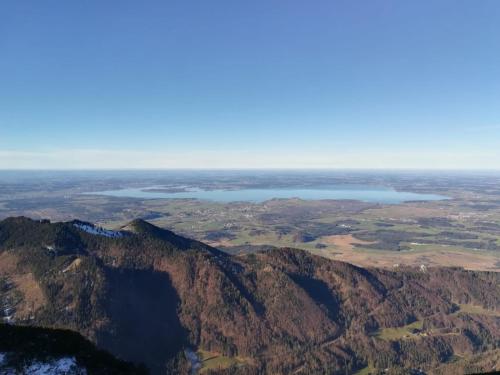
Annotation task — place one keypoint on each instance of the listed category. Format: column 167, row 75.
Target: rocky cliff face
column 146, row 295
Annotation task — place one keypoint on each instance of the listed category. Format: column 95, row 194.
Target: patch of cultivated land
column 412, row 330
column 216, row 361
column 343, row 242
column 368, row 370
column 432, row 256
column 475, row 309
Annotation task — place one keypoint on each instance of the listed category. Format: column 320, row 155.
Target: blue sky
column 250, row 84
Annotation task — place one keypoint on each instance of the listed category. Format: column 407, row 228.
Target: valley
column 462, row 231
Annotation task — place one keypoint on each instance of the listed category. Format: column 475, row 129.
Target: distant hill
column 150, row 296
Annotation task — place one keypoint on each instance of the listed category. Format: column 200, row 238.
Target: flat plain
column 462, row 231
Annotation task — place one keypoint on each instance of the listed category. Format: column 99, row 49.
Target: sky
column 250, row 84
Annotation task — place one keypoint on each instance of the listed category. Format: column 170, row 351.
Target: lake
column 372, row 194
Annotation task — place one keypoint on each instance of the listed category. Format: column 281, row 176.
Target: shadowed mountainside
column 21, row 346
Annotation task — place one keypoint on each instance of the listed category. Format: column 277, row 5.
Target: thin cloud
column 245, row 159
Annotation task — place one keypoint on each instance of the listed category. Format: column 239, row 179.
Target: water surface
column 373, row 194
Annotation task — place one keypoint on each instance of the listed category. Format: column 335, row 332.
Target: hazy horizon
column 270, row 169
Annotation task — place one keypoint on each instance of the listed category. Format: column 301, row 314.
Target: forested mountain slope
column 148, row 296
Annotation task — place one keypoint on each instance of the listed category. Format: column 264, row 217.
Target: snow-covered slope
column 92, row 229
column 61, row 366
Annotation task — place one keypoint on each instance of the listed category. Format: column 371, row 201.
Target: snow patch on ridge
column 92, row 229
column 61, row 366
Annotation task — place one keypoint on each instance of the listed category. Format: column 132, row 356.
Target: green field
column 214, row 361
column 368, row 370
column 474, row 309
column 397, row 333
